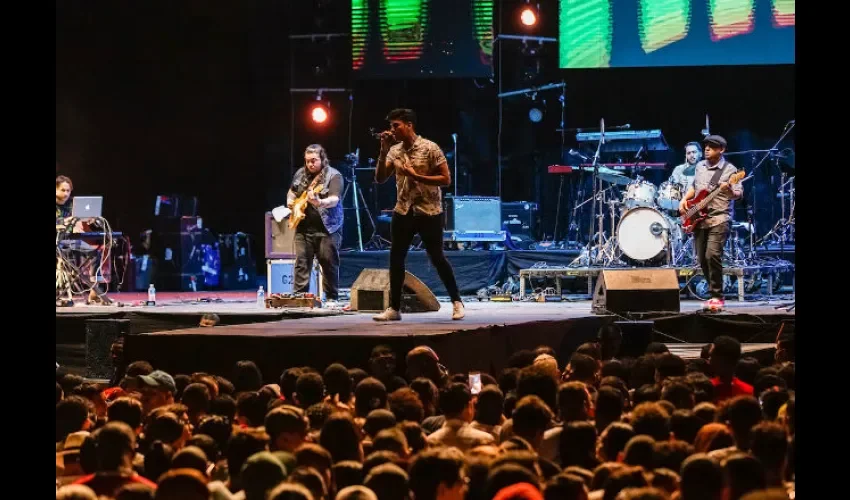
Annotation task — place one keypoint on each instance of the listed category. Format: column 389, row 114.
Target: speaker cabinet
column 636, row 291
column 371, row 292
column 280, row 240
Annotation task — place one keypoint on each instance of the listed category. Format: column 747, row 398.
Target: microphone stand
column 593, row 215
column 454, row 138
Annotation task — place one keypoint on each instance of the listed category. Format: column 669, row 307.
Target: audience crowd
column 596, row 425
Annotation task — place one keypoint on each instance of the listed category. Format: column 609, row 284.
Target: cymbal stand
column 608, row 253
column 585, row 257
column 783, row 231
column 593, row 209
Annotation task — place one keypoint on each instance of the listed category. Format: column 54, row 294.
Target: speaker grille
column 370, row 300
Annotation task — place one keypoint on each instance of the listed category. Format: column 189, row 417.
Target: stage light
column 319, row 113
column 528, row 15
column 535, row 114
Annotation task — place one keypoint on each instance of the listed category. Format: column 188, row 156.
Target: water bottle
column 261, row 297
column 151, row 295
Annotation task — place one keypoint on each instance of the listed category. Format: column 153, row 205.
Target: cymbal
column 618, row 179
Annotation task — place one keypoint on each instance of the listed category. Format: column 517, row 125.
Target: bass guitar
column 696, row 212
column 299, row 206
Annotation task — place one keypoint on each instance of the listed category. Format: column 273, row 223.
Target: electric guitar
column 299, row 206
column 696, row 207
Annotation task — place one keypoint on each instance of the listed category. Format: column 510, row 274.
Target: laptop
column 85, row 207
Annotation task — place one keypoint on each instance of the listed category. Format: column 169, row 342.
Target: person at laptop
column 64, row 217
column 64, row 208
column 63, row 196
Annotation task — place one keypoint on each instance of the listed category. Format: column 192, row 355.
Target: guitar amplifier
column 520, row 217
column 280, row 240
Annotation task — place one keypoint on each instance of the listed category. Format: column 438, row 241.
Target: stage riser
column 485, row 349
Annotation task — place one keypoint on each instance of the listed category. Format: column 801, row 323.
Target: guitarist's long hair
column 323, row 156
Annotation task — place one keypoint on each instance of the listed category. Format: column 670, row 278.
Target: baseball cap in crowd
column 159, row 378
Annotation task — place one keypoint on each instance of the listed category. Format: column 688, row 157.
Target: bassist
column 319, row 234
column 711, row 233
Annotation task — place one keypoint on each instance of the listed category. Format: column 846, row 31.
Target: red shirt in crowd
column 736, row 387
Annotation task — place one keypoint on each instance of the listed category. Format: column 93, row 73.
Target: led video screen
column 422, row 38
column 640, row 33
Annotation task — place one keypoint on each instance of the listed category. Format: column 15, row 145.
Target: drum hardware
column 783, row 231
column 604, row 251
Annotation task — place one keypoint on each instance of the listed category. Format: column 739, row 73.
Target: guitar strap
column 712, row 185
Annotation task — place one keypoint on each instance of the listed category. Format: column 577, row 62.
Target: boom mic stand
column 596, row 187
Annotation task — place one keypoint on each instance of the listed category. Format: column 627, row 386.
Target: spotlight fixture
column 528, row 14
column 319, row 111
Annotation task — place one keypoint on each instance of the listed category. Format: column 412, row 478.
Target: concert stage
column 484, row 340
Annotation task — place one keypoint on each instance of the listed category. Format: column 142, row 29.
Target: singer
column 420, row 168
column 710, row 234
column 319, row 234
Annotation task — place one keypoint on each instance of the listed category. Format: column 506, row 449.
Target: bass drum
column 642, row 235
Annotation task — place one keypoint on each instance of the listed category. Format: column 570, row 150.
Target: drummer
column 684, row 174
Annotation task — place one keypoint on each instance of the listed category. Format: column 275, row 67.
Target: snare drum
column 669, row 195
column 639, row 194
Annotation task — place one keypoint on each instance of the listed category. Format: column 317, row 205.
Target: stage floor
column 478, row 315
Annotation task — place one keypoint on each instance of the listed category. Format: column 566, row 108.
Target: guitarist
column 710, row 234
column 319, row 234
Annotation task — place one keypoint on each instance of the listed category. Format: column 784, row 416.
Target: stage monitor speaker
column 636, row 291
column 280, row 240
column 371, row 292
column 100, row 335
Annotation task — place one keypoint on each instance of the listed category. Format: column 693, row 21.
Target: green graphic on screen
column 396, row 38
column 482, row 14
column 585, row 33
column 730, row 18
column 783, row 13
column 663, row 22
column 403, row 27
column 637, row 33
column 359, row 31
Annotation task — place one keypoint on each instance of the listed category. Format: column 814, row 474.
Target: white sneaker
column 457, row 310
column 389, row 315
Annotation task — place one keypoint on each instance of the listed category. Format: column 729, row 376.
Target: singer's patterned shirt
column 423, row 156
column 721, row 208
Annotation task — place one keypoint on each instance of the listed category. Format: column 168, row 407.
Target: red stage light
column 319, row 114
column 528, row 17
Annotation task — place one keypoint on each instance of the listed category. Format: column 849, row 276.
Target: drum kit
column 645, row 227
